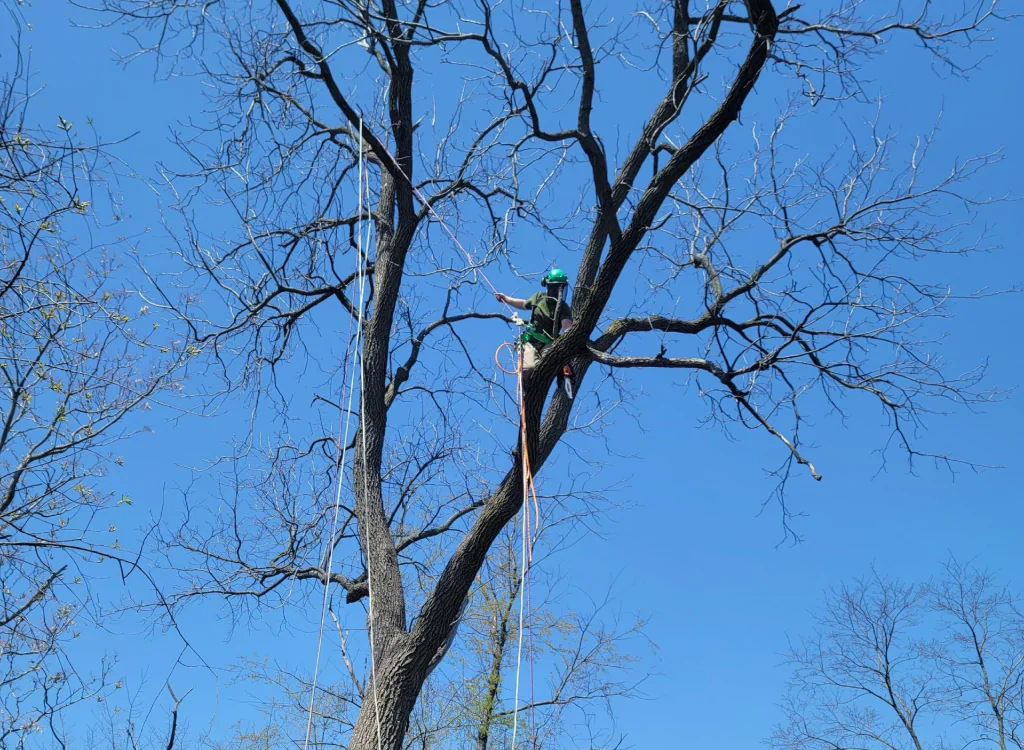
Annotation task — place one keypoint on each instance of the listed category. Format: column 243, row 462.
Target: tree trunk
column 393, row 690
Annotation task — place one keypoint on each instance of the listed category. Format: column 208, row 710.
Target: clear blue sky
column 692, row 554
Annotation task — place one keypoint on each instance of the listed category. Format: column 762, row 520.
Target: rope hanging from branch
column 342, row 451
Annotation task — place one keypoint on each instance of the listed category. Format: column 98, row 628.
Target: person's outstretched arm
column 519, row 304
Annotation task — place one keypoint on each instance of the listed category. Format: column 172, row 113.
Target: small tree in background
column 78, row 362
column 576, row 663
column 896, row 666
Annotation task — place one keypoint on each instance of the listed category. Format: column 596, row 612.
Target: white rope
column 362, row 428
column 519, row 654
column 337, row 502
column 522, row 575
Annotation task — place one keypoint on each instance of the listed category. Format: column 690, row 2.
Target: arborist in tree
column 550, row 316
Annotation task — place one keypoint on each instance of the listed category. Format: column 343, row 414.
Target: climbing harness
column 530, row 335
column 564, row 378
column 534, row 337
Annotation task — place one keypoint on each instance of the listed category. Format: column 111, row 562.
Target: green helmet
column 555, row 276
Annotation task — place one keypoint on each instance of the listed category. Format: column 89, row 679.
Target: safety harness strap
column 531, row 334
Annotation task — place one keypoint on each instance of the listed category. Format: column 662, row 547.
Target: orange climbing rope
column 497, row 358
